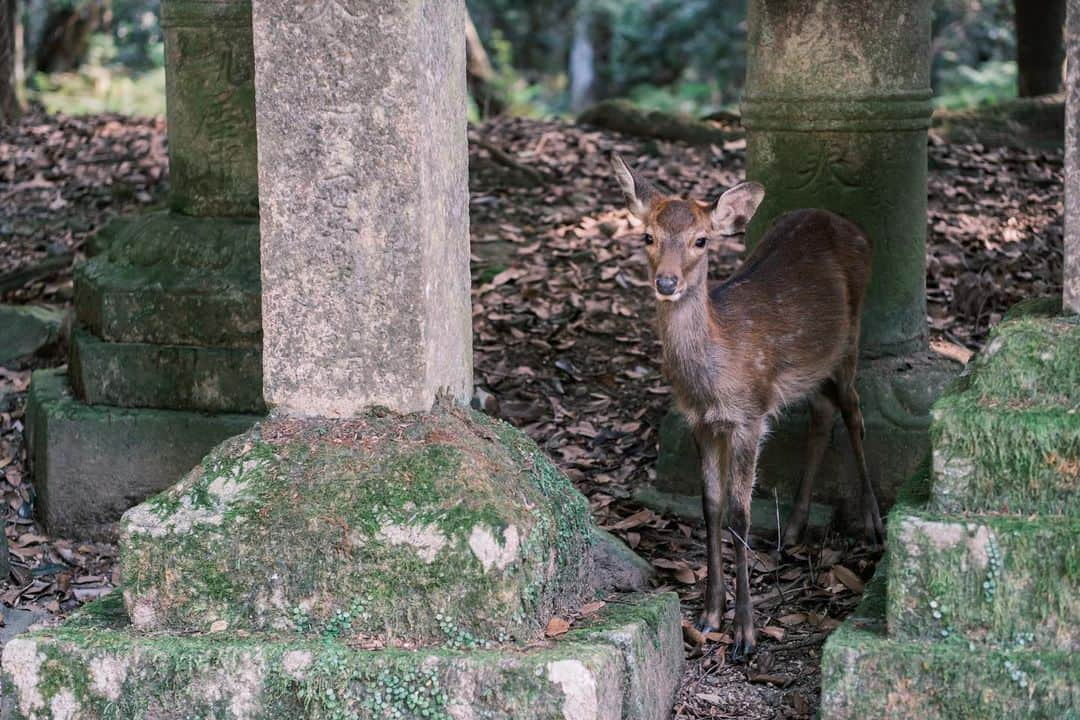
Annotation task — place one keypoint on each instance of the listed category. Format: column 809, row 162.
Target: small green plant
column 993, row 569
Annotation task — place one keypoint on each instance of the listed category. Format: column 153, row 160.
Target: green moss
column 383, row 503
column 867, row 674
column 992, row 580
column 226, row 675
column 1004, row 459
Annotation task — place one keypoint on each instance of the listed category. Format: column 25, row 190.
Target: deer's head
column 677, row 231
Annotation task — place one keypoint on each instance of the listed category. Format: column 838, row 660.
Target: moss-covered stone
column 91, row 463
column 868, row 674
column 991, row 580
column 623, row 664
column 1008, row 439
column 445, row 527
column 27, row 330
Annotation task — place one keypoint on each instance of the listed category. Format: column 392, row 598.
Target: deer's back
column 790, row 310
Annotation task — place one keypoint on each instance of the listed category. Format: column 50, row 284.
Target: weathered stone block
column 991, row 580
column 180, row 377
column 420, row 521
column 625, row 663
column 867, row 674
column 93, row 462
column 210, row 102
column 26, row 330
column 365, row 207
column 1009, row 439
column 896, row 396
column 171, row 279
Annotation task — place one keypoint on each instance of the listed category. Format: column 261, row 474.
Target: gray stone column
column 836, row 108
column 165, row 357
column 1071, row 284
column 365, row 248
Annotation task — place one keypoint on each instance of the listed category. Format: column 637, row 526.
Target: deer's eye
column 648, row 239
column 701, row 242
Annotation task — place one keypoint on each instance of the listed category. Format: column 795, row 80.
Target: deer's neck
column 693, row 349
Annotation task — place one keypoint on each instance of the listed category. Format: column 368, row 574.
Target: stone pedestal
column 374, row 548
column 168, row 308
column 836, row 109
column 973, row 612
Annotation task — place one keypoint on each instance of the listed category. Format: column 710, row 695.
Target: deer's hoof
column 745, row 641
column 707, row 624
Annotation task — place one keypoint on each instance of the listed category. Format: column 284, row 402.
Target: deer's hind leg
column 848, row 401
column 822, row 409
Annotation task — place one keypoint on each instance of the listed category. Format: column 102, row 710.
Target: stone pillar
column 1071, row 284
column 165, row 357
column 365, row 251
column 836, row 109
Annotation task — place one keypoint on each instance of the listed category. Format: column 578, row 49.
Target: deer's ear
column 735, row 207
column 639, row 193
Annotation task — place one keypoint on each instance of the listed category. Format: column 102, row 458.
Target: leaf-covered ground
column 564, row 343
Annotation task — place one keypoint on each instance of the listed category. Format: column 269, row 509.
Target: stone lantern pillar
column 836, row 108
column 165, row 355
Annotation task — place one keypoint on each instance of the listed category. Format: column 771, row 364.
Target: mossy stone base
column 868, row 674
column 623, row 663
column 93, row 462
column 991, row 580
column 423, row 528
column 27, row 330
column 896, row 396
column 171, row 279
column 1008, row 439
column 176, row 377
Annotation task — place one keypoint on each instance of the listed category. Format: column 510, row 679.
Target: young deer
column 783, row 327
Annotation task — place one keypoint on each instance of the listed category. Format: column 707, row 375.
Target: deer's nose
column 665, row 284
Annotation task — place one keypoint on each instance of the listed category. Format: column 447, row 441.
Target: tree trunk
column 9, row 99
column 65, row 38
column 480, row 74
column 1040, row 46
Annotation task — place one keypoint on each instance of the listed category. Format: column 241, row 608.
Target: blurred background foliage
column 544, row 58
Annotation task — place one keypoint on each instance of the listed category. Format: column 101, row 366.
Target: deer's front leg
column 714, row 450
column 744, row 462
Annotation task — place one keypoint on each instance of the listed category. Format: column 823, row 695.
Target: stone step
column 93, row 462
column 991, row 580
column 1008, row 438
column 625, row 663
column 868, row 674
column 169, row 279
column 177, row 377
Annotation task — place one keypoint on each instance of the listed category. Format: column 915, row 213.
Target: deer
column 783, row 327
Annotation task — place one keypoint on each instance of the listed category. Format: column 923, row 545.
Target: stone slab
column 868, row 674
column 27, row 330
column 91, row 463
column 896, row 395
column 1009, row 439
column 363, row 205
column 991, row 580
column 623, row 664
column 177, row 377
column 171, row 279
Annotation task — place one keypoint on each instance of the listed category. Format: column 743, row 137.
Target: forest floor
column 564, row 344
